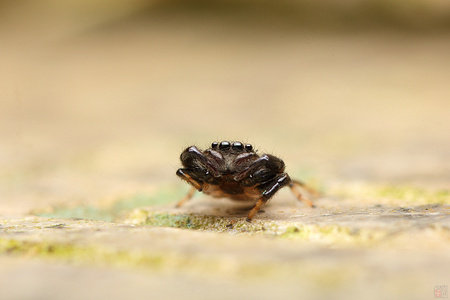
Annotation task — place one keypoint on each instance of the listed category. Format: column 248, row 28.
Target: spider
column 234, row 170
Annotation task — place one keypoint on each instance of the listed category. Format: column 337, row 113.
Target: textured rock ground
column 336, row 250
column 92, row 121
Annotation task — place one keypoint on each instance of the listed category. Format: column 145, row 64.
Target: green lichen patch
column 202, row 222
column 414, row 195
column 83, row 254
column 168, row 261
column 294, row 230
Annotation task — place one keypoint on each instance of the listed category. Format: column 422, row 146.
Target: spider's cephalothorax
column 234, row 170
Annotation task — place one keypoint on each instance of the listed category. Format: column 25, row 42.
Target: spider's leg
column 196, row 185
column 184, row 174
column 309, row 189
column 271, row 188
column 186, row 198
column 272, row 165
column 192, row 157
column 260, row 162
column 297, row 193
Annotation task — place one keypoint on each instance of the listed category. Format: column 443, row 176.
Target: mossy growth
column 320, row 234
column 202, row 222
column 172, row 261
column 414, row 195
column 81, row 254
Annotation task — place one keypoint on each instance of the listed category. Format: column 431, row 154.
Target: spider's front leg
column 262, row 169
column 271, row 188
column 187, row 175
column 198, row 170
column 197, row 185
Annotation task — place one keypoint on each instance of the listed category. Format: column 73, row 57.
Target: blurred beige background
column 98, row 98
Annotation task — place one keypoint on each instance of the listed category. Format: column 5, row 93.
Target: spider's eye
column 248, row 147
column 237, row 146
column 214, row 145
column 224, row 145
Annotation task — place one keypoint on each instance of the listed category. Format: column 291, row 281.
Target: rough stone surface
column 94, row 117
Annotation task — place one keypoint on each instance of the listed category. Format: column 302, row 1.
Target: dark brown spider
column 234, row 170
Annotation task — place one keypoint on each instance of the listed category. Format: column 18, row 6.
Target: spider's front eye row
column 237, row 146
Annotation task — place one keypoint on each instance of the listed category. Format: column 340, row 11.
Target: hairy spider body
column 234, row 170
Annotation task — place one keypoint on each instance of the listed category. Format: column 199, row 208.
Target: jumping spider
column 234, row 170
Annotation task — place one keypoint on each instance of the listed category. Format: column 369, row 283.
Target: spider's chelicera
column 234, row 170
